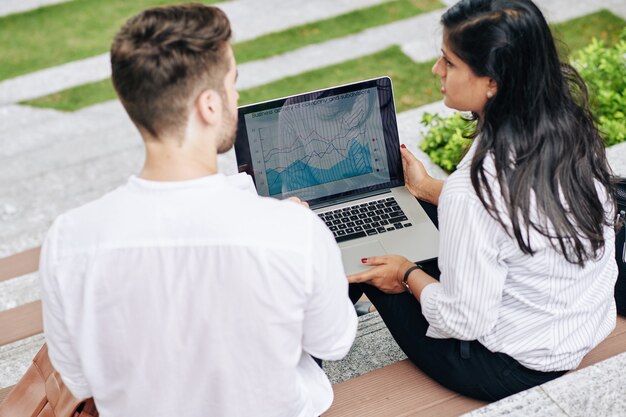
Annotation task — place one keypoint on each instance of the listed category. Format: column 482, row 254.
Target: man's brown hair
column 164, row 56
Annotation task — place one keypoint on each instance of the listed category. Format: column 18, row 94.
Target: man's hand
column 297, row 200
column 386, row 275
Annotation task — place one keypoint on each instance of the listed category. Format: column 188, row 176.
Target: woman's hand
column 417, row 180
column 415, row 175
column 386, row 275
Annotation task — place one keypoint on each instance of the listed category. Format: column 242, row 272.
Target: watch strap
column 405, row 279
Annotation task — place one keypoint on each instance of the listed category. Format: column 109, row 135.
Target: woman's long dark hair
column 538, row 128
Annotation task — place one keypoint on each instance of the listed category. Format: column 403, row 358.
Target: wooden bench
column 24, row 321
column 400, row 389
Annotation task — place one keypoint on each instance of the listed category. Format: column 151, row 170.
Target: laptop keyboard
column 366, row 219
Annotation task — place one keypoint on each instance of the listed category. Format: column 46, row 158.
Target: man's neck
column 169, row 161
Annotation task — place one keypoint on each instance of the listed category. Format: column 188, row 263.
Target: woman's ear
column 492, row 88
column 209, row 107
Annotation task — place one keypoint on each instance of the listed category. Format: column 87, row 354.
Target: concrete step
column 8, row 7
column 18, row 291
column 373, row 348
column 249, row 19
column 16, row 357
column 17, row 121
column 308, row 58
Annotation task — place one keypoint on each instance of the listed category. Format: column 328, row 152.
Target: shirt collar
column 239, row 181
column 202, row 182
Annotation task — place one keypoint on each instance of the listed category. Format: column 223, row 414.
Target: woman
column 526, row 253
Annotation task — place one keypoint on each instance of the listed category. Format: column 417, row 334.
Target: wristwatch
column 405, row 279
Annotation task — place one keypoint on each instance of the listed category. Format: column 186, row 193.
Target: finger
column 407, row 155
column 405, row 169
column 357, row 278
column 374, row 260
column 298, row 201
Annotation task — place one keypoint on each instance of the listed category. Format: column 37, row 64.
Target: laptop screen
column 322, row 146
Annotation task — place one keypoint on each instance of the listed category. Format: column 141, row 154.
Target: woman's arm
column 417, row 180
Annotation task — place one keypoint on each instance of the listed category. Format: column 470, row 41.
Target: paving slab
column 16, row 357
column 20, row 290
column 308, row 58
column 419, row 38
column 26, row 134
column 253, row 18
column 530, row 403
column 425, row 47
column 598, row 390
column 51, row 80
column 562, row 10
column 8, row 7
column 373, row 348
column 15, row 120
column 619, row 9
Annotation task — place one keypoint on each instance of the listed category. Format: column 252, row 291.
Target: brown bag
column 42, row 393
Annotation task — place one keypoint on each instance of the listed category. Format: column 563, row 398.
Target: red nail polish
column 403, row 146
column 364, row 260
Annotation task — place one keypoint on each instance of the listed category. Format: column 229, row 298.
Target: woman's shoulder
column 458, row 183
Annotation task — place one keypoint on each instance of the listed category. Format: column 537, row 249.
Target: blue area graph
column 300, row 174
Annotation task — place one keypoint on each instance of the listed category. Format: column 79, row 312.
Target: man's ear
column 209, row 107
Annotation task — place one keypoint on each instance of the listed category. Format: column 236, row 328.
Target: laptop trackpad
column 352, row 255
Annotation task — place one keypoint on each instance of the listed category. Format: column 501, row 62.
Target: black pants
column 466, row 367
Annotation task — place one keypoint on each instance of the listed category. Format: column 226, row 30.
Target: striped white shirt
column 541, row 310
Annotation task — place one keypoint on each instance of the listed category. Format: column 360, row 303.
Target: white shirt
column 195, row 298
column 541, row 310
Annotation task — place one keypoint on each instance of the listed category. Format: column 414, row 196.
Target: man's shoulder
column 84, row 220
column 93, row 208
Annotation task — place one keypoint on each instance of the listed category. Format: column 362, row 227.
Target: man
column 179, row 293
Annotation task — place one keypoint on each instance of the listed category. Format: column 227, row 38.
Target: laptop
column 338, row 149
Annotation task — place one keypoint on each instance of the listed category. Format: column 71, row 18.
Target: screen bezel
column 390, row 131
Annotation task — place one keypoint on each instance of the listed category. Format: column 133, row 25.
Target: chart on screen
column 319, row 147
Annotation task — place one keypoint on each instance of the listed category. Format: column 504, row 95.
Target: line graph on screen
column 315, row 158
column 319, row 148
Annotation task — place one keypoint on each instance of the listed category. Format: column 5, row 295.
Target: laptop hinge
column 350, row 198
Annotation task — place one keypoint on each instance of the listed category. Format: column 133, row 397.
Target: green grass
column 577, row 33
column 413, row 83
column 77, row 98
column 64, row 32
column 323, row 30
column 80, row 29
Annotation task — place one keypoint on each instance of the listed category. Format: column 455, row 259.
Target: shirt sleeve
column 60, row 348
column 330, row 321
column 465, row 303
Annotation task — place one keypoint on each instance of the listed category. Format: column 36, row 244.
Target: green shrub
column 445, row 141
column 604, row 70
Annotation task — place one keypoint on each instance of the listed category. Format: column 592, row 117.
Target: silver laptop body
column 338, row 148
